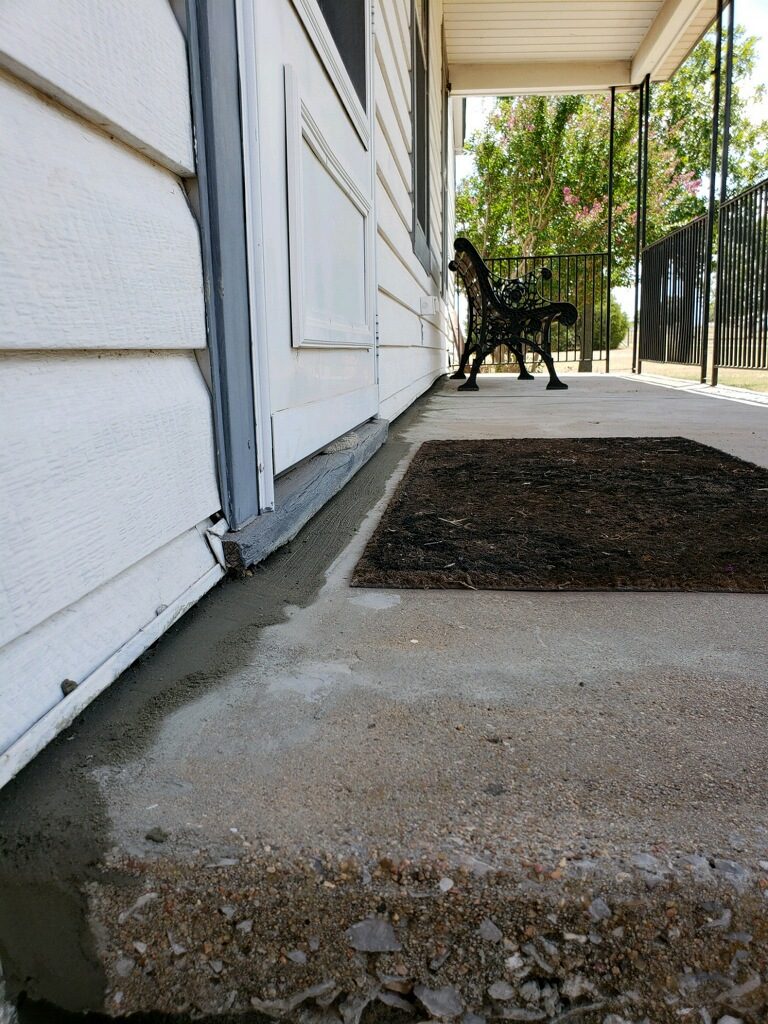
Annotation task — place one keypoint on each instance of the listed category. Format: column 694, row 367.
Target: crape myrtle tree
column 539, row 184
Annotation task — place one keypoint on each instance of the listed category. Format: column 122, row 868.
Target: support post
column 644, row 232
column 723, row 184
column 587, row 340
column 641, row 150
column 712, row 209
column 611, row 141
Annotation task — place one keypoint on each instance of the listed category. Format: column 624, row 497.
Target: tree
column 540, row 179
column 682, row 114
column 619, row 324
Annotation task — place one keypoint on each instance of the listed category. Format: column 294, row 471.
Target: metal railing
column 675, row 326
column 672, row 314
column 741, row 324
column 580, row 278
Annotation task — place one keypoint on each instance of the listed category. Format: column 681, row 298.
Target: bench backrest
column 513, row 297
column 474, row 273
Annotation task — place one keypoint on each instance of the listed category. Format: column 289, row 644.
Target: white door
column 308, row 85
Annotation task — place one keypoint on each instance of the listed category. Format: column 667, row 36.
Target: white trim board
column 538, row 77
column 254, row 220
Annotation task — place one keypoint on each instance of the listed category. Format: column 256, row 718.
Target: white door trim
column 249, row 105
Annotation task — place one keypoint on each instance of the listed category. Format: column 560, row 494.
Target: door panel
column 316, row 178
column 328, row 236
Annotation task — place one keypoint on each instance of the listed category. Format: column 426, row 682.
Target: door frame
column 236, row 338
column 247, row 26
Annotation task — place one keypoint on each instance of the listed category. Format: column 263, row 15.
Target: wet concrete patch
column 54, row 826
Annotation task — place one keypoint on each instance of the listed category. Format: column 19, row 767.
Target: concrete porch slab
column 554, row 804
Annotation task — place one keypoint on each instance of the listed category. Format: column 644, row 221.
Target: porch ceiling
column 558, row 46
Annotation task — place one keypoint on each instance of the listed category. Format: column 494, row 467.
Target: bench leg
column 555, row 384
column 472, row 384
column 519, row 356
column 469, row 346
column 460, row 374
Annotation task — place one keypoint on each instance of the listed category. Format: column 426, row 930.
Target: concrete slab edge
column 302, row 492
column 723, row 391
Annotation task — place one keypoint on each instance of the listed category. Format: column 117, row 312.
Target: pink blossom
column 686, row 180
column 569, row 198
column 589, row 213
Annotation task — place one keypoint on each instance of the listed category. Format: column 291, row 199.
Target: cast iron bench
column 510, row 313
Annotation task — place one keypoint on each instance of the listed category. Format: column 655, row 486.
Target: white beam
column 668, row 26
column 540, row 77
column 458, row 122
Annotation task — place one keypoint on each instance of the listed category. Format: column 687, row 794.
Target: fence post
column 612, row 133
column 723, row 190
column 642, row 192
column 586, row 348
column 711, row 212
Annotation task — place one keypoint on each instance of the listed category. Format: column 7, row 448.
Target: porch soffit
column 558, row 46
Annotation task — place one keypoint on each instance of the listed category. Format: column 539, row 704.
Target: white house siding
column 412, row 347
column 107, row 467
column 121, row 65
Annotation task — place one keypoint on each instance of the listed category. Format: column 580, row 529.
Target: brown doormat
column 619, row 513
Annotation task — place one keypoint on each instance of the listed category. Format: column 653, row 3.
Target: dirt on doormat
column 618, row 513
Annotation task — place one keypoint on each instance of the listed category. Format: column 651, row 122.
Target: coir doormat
column 618, row 513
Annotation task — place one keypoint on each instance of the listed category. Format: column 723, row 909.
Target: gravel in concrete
column 588, row 770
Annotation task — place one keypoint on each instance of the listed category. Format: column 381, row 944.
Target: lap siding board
column 108, row 453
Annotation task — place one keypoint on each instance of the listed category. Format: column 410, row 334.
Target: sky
column 752, row 14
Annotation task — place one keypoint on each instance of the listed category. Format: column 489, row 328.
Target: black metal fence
column 672, row 314
column 674, row 324
column 580, row 278
column 741, row 328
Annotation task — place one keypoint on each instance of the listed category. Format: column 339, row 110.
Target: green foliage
column 540, row 179
column 619, row 324
column 681, row 110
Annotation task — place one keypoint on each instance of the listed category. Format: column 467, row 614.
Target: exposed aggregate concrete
column 579, row 938
column 555, row 806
